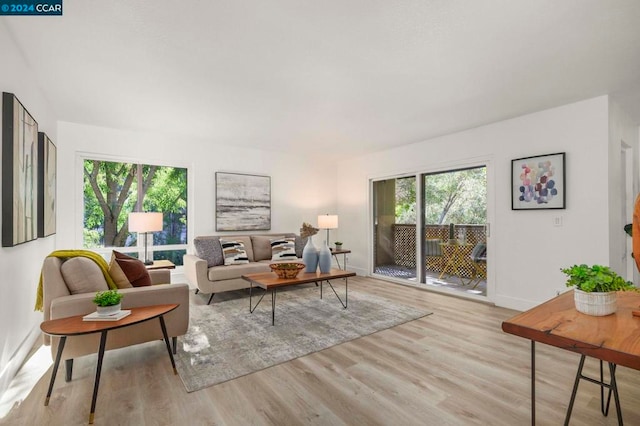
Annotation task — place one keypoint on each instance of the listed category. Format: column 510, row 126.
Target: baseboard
column 18, row 359
column 514, row 303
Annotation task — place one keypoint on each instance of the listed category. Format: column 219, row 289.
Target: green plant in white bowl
column 595, row 288
column 107, row 302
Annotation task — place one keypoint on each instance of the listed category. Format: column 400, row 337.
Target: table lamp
column 143, row 223
column 328, row 221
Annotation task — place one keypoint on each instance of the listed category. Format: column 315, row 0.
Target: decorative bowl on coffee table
column 287, row 270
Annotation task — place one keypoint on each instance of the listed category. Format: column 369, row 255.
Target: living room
column 328, row 173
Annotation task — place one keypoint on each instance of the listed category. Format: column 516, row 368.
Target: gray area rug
column 225, row 341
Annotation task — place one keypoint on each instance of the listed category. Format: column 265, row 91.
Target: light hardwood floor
column 454, row 367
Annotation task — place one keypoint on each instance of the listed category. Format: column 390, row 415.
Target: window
column 112, row 190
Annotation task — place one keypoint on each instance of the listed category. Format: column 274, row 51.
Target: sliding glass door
column 430, row 229
column 394, row 233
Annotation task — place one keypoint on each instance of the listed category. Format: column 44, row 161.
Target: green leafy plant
column 107, row 298
column 338, row 243
column 596, row 278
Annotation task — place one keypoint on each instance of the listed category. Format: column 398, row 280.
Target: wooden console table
column 614, row 339
column 75, row 326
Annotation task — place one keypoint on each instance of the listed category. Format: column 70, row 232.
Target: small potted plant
column 107, row 302
column 338, row 245
column 595, row 288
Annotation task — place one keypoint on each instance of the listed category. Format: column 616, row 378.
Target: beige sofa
column 204, row 271
column 58, row 302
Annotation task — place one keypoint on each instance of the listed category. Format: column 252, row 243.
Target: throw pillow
column 134, row 269
column 117, row 274
column 283, row 249
column 83, row 275
column 233, row 252
column 262, row 246
column 210, row 250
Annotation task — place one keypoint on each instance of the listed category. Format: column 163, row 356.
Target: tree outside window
column 112, row 190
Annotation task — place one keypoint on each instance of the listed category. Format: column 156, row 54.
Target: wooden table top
column 74, row 326
column 269, row 280
column 613, row 338
column 161, row 264
column 341, row 251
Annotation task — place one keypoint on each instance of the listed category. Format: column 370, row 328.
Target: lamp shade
column 145, row 222
column 328, row 221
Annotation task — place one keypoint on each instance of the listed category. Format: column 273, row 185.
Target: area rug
column 225, row 341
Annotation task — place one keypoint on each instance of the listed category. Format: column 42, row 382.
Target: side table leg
column 614, row 387
column 103, row 343
column 575, row 389
column 166, row 341
column 273, row 307
column 63, row 340
column 533, row 383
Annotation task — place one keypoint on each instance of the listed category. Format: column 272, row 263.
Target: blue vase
column 324, row 258
column 310, row 256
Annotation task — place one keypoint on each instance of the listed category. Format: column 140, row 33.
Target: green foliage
column 107, row 298
column 456, row 197
column 111, row 192
column 596, row 278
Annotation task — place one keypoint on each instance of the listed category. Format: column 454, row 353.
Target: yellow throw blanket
column 104, row 267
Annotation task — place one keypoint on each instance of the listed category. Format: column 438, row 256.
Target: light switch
column 557, row 221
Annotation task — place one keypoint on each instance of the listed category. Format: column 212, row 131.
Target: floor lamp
column 144, row 223
column 328, row 221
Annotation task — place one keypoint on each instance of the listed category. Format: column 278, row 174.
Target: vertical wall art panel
column 19, row 173
column 243, row 202
column 46, row 186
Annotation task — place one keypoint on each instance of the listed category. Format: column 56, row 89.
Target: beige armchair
column 58, row 302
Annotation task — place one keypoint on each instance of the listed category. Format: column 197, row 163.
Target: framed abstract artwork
column 19, row 173
column 46, row 186
column 243, row 202
column 538, row 182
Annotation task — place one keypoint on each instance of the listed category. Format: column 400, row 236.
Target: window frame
column 81, row 157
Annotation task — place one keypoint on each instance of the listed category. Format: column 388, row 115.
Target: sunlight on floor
column 26, row 379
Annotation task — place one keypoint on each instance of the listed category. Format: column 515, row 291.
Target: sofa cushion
column 134, row 269
column 117, row 274
column 283, row 249
column 234, row 252
column 83, row 275
column 209, row 249
column 262, row 246
column 219, row 273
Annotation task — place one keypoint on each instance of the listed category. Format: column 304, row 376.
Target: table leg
column 273, row 307
column 346, row 292
column 166, row 341
column 103, row 343
column 337, row 261
column 253, row 308
column 533, row 383
column 575, row 389
column 614, row 386
column 63, row 340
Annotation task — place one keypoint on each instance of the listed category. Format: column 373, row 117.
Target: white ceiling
column 329, row 76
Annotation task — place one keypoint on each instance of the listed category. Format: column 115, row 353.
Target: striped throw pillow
column 283, row 249
column 233, row 252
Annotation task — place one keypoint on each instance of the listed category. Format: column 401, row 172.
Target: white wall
column 526, row 250
column 300, row 187
column 20, row 265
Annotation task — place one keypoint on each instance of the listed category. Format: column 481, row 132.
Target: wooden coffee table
column 270, row 281
column 75, row 326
